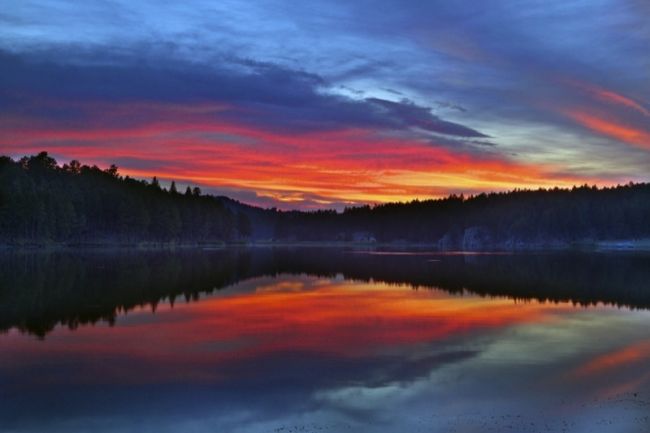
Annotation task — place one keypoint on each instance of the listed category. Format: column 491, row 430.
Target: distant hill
column 42, row 202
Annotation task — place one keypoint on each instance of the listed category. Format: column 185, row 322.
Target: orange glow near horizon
column 324, row 168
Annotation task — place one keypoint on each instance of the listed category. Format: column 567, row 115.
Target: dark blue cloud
column 262, row 94
column 408, row 113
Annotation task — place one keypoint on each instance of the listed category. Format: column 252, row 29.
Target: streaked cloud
column 612, row 128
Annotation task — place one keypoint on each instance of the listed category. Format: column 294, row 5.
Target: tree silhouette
column 41, row 202
column 243, row 225
column 112, row 170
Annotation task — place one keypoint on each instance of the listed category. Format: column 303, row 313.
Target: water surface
column 279, row 340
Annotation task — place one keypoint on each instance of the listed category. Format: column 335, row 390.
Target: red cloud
column 197, row 145
column 611, row 128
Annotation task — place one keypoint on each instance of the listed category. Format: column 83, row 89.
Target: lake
column 324, row 340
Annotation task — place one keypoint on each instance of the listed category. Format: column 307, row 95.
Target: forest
column 506, row 220
column 43, row 202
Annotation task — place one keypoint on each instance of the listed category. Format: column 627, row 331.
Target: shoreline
column 626, row 245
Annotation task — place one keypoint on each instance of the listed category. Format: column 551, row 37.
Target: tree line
column 43, row 202
column 507, row 220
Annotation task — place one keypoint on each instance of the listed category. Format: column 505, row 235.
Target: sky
column 327, row 104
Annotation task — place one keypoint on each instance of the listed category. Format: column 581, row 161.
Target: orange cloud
column 611, row 97
column 628, row 134
column 345, row 166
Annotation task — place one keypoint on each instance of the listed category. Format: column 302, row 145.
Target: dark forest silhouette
column 41, row 202
column 510, row 220
column 40, row 290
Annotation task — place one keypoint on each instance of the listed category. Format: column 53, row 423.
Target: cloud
column 451, row 105
column 260, row 94
column 612, row 128
column 611, row 97
column 409, row 114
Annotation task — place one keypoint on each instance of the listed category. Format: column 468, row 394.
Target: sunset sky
column 324, row 104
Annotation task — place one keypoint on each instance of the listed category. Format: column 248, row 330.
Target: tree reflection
column 40, row 290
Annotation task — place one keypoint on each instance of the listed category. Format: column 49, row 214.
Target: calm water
column 315, row 340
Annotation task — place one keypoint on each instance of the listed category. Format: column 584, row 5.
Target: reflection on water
column 324, row 340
